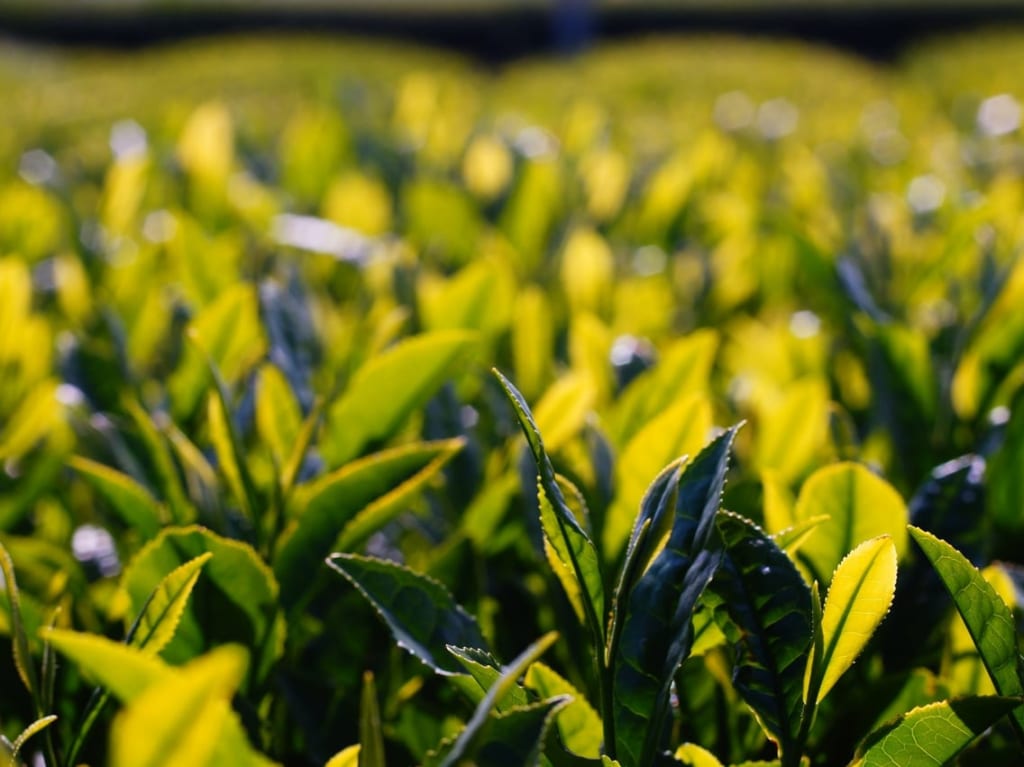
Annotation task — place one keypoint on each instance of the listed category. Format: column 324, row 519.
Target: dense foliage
column 265, row 496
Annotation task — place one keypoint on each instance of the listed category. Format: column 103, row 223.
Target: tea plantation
column 658, row 406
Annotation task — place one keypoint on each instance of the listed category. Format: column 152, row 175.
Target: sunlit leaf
column 861, row 593
column 859, row 506
column 348, row 757
column 933, row 734
column 154, row 627
column 19, row 638
column 388, row 388
column 988, row 619
column 578, row 723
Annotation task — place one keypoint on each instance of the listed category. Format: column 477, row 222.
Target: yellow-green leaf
column 578, row 723
column 693, row 755
column 126, row 671
column 348, row 757
column 156, row 623
column 278, row 416
column 127, row 497
column 860, row 595
column 860, row 505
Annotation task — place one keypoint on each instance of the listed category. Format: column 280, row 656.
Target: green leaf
column 183, row 718
column 655, row 602
column 228, row 331
column 989, row 621
column 154, row 626
column 297, row 455
column 422, row 615
column 514, row 735
column 389, row 388
column 682, row 429
column 348, row 757
column 123, row 670
column 763, row 607
column 562, row 410
column 860, row 595
column 133, row 502
column 371, row 741
column 562, row 530
column 486, row 671
column 37, row 415
column 163, row 463
column 578, row 723
column 37, row 726
column 860, row 506
column 236, row 600
column 933, row 734
column 19, row 638
column 792, row 538
column 278, row 415
column 231, row 458
column 342, row 509
column 693, row 755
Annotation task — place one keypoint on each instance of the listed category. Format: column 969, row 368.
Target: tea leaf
column 133, row 502
column 562, row 529
column 989, row 621
column 859, row 504
column 19, row 639
column 231, row 458
column 37, row 726
column 860, row 595
column 654, row 611
column 278, row 416
column 123, row 670
column 486, row 671
column 342, row 509
column 348, row 757
column 371, row 741
column 158, row 619
column 578, row 723
column 932, row 734
column 763, row 607
column 422, row 615
column 388, row 388
column 693, row 755
column 236, row 600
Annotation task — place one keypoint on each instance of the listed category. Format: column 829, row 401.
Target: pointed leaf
column 19, row 639
column 137, row 508
column 989, row 621
column 421, row 613
column 792, row 538
column 474, row 734
column 578, row 723
column 763, row 607
column 561, row 527
column 485, row 670
column 693, row 755
column 859, row 504
column 236, row 600
column 126, row 671
column 156, row 623
column 348, row 757
column 933, row 734
column 388, row 388
column 278, row 416
column 371, row 741
column 300, row 447
column 231, row 459
column 352, row 503
column 163, row 463
column 656, row 630
column 858, row 599
column 180, row 719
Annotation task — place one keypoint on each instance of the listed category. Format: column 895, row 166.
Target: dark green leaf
column 422, row 615
column 763, row 606
column 352, row 502
column 656, row 633
column 371, row 741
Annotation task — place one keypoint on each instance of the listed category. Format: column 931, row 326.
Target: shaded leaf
column 422, row 615
column 133, row 502
column 655, row 602
column 763, row 607
column 342, row 509
column 371, row 741
column 390, row 387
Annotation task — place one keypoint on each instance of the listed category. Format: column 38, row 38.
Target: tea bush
column 263, row 500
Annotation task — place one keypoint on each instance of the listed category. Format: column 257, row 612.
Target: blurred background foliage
column 651, row 238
